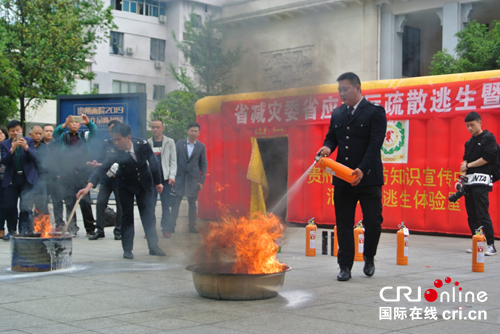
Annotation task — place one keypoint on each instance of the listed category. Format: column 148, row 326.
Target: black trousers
column 19, row 189
column 105, row 190
column 146, row 203
column 166, row 225
column 346, row 199
column 477, row 205
column 176, row 203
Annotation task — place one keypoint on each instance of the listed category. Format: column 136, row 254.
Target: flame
column 41, row 224
column 250, row 242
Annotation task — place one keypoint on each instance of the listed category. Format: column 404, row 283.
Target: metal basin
column 33, row 253
column 215, row 281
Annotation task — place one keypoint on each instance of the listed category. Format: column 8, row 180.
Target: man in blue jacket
column 74, row 169
column 19, row 158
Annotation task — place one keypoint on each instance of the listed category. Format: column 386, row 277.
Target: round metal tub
column 215, row 281
column 33, row 253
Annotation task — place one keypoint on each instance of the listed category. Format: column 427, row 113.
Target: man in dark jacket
column 357, row 129
column 190, row 176
column 19, row 158
column 138, row 168
column 480, row 154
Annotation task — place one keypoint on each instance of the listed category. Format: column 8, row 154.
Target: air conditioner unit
column 162, row 18
column 130, row 51
column 158, row 64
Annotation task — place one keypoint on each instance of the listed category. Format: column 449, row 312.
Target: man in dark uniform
column 107, row 185
column 357, row 129
column 134, row 177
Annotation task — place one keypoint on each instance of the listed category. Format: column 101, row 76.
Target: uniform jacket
column 28, row 159
column 358, row 141
column 107, row 147
column 168, row 157
column 131, row 174
column 190, row 171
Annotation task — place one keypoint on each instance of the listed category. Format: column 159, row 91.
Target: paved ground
column 103, row 293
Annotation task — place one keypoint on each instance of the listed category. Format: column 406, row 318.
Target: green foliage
column 8, row 82
column 203, row 47
column 478, row 49
column 47, row 43
column 176, row 110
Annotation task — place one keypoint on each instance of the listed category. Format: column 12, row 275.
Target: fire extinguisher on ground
column 478, row 246
column 311, row 238
column 402, row 245
column 359, row 241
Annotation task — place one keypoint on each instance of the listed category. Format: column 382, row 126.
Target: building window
column 411, row 52
column 116, row 43
column 157, row 49
column 96, row 88
column 197, row 22
column 128, row 87
column 158, row 92
column 148, row 7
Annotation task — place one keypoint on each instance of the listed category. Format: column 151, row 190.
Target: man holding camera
column 480, row 155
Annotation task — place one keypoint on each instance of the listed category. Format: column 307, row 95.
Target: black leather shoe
column 96, row 235
column 193, row 230
column 369, row 268
column 118, row 237
column 344, row 275
column 128, row 255
column 157, row 251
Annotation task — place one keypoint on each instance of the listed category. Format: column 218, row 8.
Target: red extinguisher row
column 402, row 236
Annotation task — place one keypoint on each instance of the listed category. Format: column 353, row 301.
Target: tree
column 47, row 42
column 211, row 63
column 176, row 110
column 478, row 49
column 8, row 82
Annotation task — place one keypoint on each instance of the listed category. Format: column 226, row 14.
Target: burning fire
column 250, row 242
column 41, row 224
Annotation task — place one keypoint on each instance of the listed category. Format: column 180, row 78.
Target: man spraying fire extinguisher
column 357, row 129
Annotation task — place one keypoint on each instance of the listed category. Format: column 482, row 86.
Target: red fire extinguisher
column 402, row 245
column 335, row 241
column 311, row 238
column 478, row 246
column 359, row 241
column 336, row 169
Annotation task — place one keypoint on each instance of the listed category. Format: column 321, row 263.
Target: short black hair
column 123, row 129
column 43, row 127
column 13, row 124
column 113, row 122
column 5, row 132
column 472, row 116
column 352, row 77
column 193, row 125
column 157, row 120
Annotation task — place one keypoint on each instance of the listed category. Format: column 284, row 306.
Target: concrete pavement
column 104, row 293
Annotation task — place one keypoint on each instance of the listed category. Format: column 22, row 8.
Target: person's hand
column 359, row 175
column 171, row 181
column 200, row 185
column 86, row 119
column 82, row 192
column 159, row 188
column 463, row 166
column 69, row 120
column 324, row 151
column 23, row 143
column 93, row 163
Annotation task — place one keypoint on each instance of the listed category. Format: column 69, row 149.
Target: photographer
column 480, row 154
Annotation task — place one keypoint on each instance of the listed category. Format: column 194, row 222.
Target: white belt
column 478, row 179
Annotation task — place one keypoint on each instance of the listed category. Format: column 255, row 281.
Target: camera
column 461, row 189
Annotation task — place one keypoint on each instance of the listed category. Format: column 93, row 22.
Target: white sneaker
column 468, row 250
column 490, row 250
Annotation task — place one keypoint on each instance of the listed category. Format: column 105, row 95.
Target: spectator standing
column 39, row 190
column 4, row 135
column 164, row 149
column 107, row 185
column 190, row 176
column 75, row 172
column 19, row 158
column 137, row 176
column 53, row 183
